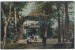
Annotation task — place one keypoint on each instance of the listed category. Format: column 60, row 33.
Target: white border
column 37, row 49
column 74, row 24
column 37, row 0
column 0, row 24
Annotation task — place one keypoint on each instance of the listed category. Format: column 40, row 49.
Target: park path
column 38, row 45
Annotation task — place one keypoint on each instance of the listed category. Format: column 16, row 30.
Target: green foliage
column 5, row 7
column 50, row 9
column 45, row 7
column 18, row 5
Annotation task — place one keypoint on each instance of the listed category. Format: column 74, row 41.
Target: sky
column 28, row 9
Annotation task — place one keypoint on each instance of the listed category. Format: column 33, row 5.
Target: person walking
column 43, row 41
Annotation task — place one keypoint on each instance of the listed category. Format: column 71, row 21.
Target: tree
column 58, row 10
column 5, row 27
column 46, row 9
column 62, row 16
column 17, row 9
column 67, row 23
column 7, row 8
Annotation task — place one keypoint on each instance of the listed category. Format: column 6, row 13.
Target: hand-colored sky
column 28, row 9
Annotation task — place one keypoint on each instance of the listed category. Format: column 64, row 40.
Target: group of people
column 29, row 38
column 35, row 39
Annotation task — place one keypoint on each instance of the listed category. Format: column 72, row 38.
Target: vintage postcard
column 37, row 24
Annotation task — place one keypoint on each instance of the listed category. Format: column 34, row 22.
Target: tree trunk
column 9, row 12
column 21, row 33
column 4, row 39
column 15, row 18
column 21, row 26
column 8, row 21
column 62, row 30
column 59, row 35
column 62, row 25
column 5, row 27
column 67, row 24
column 66, row 17
column 20, row 23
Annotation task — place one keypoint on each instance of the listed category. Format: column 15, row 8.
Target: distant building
column 30, row 24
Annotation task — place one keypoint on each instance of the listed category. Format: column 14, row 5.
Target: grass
column 13, row 46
